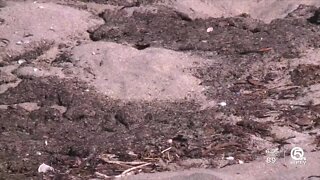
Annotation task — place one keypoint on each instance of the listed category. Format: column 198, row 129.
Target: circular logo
column 297, row 153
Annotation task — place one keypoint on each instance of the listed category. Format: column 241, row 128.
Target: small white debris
column 169, row 141
column 21, row 61
column 19, row 43
column 93, row 53
column 230, row 158
column 40, row 7
column 222, row 104
column 46, row 142
column 43, row 168
column 38, row 153
column 52, row 29
column 131, row 153
column 241, row 162
column 210, row 29
column 87, row 90
column 35, row 69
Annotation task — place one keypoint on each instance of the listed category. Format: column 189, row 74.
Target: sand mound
column 124, row 72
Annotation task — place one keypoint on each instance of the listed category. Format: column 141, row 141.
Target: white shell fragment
column 19, row 43
column 210, row 29
column 230, row 158
column 43, row 168
column 222, row 104
column 21, row 61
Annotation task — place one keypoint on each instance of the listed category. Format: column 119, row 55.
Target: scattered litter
column 222, row 104
column 35, row 69
column 43, row 168
column 169, row 141
column 40, row 7
column 52, row 29
column 241, row 162
column 230, row 158
column 38, row 153
column 46, row 142
column 93, row 53
column 210, row 29
column 87, row 90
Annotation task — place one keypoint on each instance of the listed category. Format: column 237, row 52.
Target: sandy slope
column 265, row 10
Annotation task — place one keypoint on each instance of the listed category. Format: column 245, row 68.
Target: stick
column 166, row 150
column 101, row 175
column 124, row 173
column 133, row 168
column 122, row 162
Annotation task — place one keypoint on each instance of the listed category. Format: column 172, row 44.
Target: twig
column 152, row 159
column 122, row 162
column 133, row 168
column 315, row 176
column 166, row 150
column 124, row 173
column 261, row 51
column 102, row 175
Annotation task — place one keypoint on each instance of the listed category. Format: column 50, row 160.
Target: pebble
column 43, row 168
column 19, row 43
column 21, row 61
column 230, row 158
column 223, row 104
column 210, row 29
